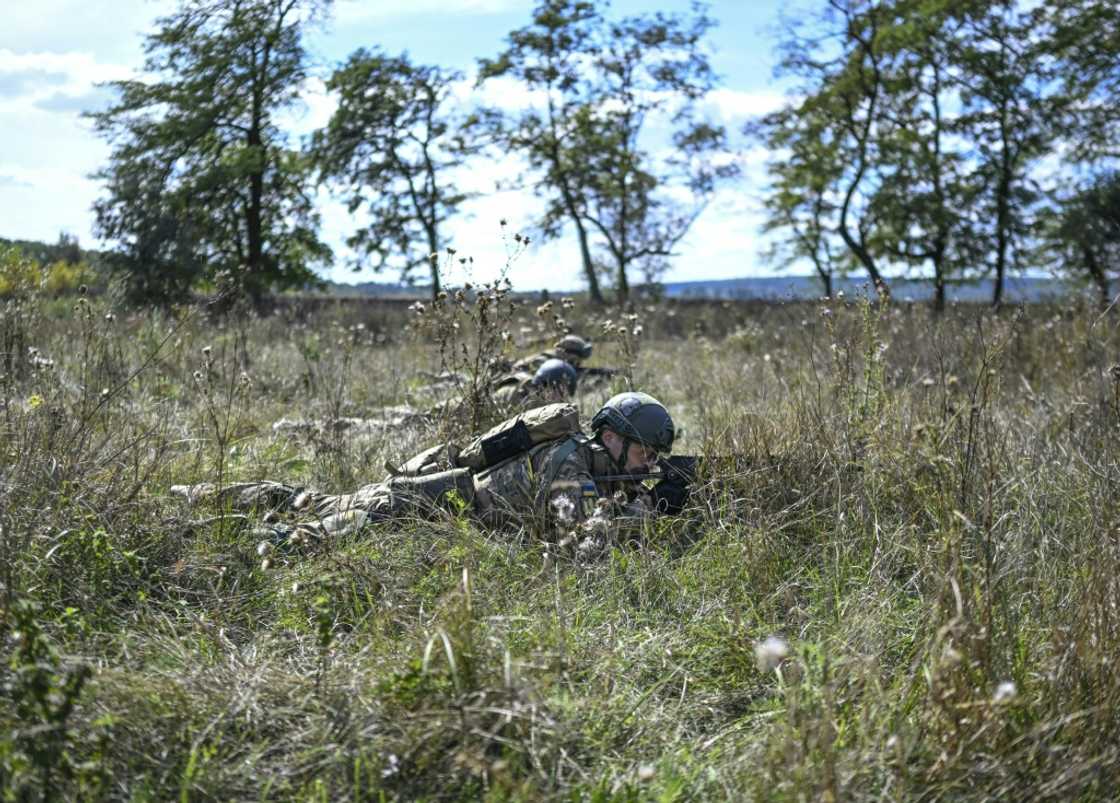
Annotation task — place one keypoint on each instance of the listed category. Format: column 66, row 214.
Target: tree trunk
column 938, row 260
column 433, row 259
column 1093, row 267
column 1001, row 241
column 622, row 290
column 254, row 281
column 593, row 290
column 862, row 254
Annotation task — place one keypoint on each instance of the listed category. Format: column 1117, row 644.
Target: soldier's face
column 639, row 459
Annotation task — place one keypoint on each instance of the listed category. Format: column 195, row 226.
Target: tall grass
column 904, row 588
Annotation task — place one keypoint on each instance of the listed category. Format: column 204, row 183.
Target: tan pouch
column 519, row 434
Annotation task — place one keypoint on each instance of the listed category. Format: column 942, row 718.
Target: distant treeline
column 66, row 249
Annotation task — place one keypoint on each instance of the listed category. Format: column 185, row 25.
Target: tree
column 1007, row 114
column 392, row 143
column 925, row 194
column 1083, row 234
column 549, row 57
column 200, row 180
column 649, row 67
column 599, row 86
column 1085, row 36
column 800, row 202
column 836, row 125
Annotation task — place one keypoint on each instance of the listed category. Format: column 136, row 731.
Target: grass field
column 909, row 593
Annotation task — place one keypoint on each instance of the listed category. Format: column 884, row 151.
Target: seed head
column 770, row 653
column 1005, row 692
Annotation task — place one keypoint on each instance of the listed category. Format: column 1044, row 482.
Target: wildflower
column 770, row 653
column 951, row 657
column 564, row 508
column 637, row 332
column 34, row 401
column 1005, row 692
column 198, row 376
column 206, row 351
column 110, row 317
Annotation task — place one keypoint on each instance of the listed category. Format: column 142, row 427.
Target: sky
column 53, row 53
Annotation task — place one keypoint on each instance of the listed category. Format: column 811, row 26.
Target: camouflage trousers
column 319, row 514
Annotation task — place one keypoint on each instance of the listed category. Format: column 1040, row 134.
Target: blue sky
column 53, row 52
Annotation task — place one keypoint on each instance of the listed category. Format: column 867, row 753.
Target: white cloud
column 311, row 112
column 737, row 106
column 110, row 29
column 56, row 82
column 500, row 93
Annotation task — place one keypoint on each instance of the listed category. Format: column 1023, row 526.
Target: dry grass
column 928, row 518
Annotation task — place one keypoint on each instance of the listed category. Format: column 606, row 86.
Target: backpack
column 510, row 438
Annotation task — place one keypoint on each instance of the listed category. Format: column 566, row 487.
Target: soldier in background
column 555, row 380
column 572, row 349
column 571, row 485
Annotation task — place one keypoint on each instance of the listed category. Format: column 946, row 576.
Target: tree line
column 947, row 139
column 950, row 139
column 204, row 186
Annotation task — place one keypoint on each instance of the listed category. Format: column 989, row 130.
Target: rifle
column 675, row 479
column 596, row 372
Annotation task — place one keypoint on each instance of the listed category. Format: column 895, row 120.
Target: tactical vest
column 496, row 469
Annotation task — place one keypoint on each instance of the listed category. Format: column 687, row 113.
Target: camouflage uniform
column 570, row 348
column 552, row 488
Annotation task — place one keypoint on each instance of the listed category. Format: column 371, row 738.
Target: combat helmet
column 574, row 345
column 637, row 417
column 556, row 373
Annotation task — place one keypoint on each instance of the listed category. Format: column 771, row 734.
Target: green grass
column 927, row 511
